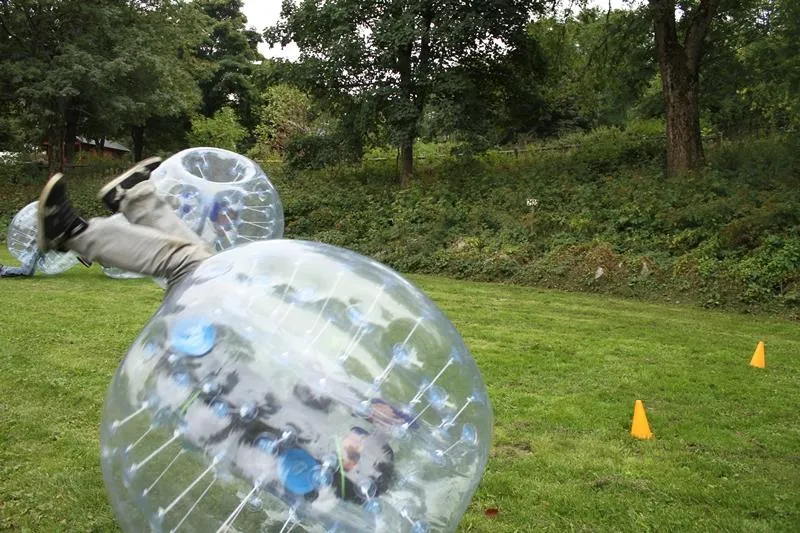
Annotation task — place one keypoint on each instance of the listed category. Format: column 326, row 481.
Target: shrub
column 719, row 238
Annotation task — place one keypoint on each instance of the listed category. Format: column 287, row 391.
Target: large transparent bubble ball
column 288, row 385
column 223, row 196
column 21, row 240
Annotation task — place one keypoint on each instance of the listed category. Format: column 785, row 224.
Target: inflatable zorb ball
column 118, row 273
column 222, row 196
column 295, row 386
column 21, row 240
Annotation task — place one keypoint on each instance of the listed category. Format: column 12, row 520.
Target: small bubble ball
column 224, row 197
column 21, row 241
column 287, row 385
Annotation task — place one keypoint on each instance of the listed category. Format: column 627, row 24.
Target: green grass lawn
column 563, row 372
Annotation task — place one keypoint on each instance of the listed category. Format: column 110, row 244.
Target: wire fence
column 37, row 171
column 527, row 148
column 34, row 171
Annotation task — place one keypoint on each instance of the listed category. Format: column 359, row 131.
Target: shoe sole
column 111, row 185
column 41, row 241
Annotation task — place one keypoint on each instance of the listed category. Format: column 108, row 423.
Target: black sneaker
column 113, row 192
column 57, row 221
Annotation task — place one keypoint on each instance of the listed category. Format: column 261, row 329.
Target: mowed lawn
column 563, row 371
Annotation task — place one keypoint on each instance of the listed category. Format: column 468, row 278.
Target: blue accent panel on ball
column 193, row 336
column 297, row 471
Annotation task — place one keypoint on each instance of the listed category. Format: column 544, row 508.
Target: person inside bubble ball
column 302, row 431
column 156, row 242
column 364, row 454
column 383, row 412
column 28, row 267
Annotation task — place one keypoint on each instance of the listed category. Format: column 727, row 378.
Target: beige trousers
column 156, row 242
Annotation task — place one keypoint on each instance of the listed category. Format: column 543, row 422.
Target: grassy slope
column 563, row 372
column 727, row 237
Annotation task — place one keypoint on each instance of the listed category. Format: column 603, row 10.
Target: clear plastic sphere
column 21, row 240
column 294, row 384
column 118, row 273
column 223, row 196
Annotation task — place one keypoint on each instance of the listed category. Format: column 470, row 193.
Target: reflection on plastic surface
column 224, row 197
column 289, row 385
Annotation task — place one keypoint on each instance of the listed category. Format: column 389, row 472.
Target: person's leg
column 141, row 205
column 26, row 269
column 133, row 248
column 15, row 272
column 135, row 197
column 114, row 243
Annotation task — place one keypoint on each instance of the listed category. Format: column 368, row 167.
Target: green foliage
column 725, row 237
column 221, row 131
column 151, row 63
column 12, row 167
column 293, row 128
column 383, row 62
column 599, row 65
column 491, row 103
column 230, row 50
column 605, row 149
column 772, row 270
column 13, row 134
column 96, row 68
column 318, row 151
column 553, row 215
column 285, row 115
column 752, row 81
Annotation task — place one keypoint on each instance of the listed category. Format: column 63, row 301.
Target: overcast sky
column 263, row 13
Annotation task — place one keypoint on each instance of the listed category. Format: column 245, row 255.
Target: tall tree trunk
column 406, row 161
column 70, row 135
column 682, row 106
column 137, row 135
column 55, row 148
column 55, row 136
column 679, row 65
column 408, row 123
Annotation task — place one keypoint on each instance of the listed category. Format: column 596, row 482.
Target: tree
column 286, row 114
column 679, row 65
column 221, row 131
column 46, row 63
column 231, row 50
column 390, row 56
column 494, row 103
column 772, row 89
column 154, row 72
column 599, row 64
column 95, row 67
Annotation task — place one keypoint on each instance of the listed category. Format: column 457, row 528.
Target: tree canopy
column 376, row 73
column 96, row 68
column 394, row 57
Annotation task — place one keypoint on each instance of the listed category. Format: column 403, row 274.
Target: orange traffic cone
column 759, row 359
column 640, row 428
